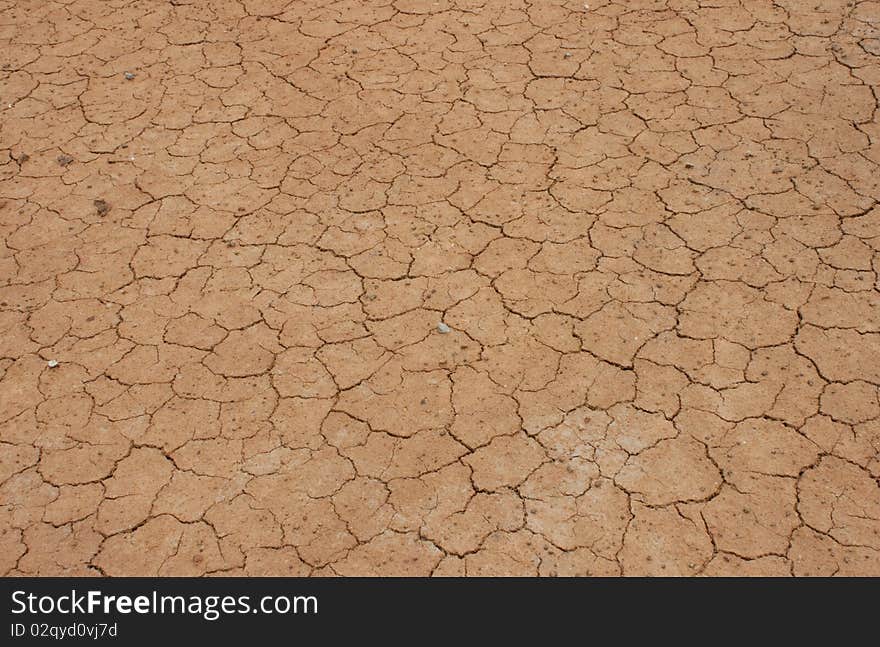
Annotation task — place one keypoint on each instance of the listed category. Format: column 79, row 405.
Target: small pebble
column 442, row 328
column 64, row 160
column 129, row 76
column 101, row 207
column 52, row 363
column 567, row 55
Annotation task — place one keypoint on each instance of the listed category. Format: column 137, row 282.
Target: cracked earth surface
column 651, row 227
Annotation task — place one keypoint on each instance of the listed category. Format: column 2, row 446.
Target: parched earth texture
column 231, row 231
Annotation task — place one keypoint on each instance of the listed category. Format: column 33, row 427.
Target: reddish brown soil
column 650, row 226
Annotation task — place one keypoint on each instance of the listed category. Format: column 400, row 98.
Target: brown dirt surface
column 452, row 287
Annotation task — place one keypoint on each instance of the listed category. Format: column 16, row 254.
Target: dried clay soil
column 471, row 287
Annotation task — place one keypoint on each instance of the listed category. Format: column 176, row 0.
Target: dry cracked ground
column 231, row 232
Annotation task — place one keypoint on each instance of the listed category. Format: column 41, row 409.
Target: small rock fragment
column 64, row 160
column 101, row 207
column 129, row 76
column 52, row 363
column 443, row 329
